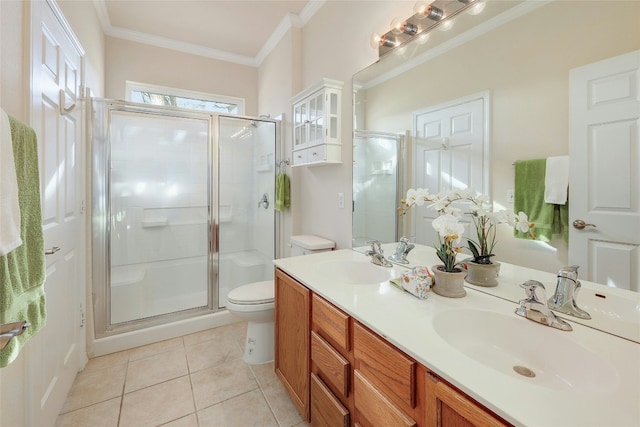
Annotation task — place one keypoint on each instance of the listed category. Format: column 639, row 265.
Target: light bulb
column 477, row 8
column 446, row 25
column 425, row 10
column 420, row 8
column 401, row 26
column 376, row 40
column 422, row 38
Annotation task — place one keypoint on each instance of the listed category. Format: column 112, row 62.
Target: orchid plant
column 450, row 229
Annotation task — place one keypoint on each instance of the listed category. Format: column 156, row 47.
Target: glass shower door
column 246, row 197
column 159, row 204
column 377, row 182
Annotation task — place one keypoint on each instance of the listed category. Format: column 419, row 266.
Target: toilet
column 255, row 303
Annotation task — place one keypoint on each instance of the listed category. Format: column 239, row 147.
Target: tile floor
column 197, row 380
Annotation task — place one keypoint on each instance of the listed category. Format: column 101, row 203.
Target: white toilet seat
column 256, row 293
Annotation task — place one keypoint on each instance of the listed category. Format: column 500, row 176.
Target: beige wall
column 278, row 80
column 15, row 67
column 127, row 60
column 526, row 69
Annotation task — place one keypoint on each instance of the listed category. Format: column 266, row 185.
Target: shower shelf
column 159, row 222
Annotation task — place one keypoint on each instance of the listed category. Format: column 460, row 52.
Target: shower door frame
column 101, row 208
column 101, row 193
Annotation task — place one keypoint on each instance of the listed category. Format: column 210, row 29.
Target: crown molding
column 289, row 21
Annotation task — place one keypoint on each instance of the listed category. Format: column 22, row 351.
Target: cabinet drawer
column 300, row 157
column 375, row 407
column 389, row 369
column 330, row 363
column 316, row 154
column 326, row 410
column 331, row 322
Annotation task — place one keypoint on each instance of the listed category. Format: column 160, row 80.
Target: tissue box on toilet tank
column 417, row 281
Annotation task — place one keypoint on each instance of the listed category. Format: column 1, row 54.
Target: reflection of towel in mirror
column 549, row 219
column 556, row 180
column 9, row 207
column 22, row 271
column 283, row 197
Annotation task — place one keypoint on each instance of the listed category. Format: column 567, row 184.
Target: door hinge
column 81, row 206
column 82, row 318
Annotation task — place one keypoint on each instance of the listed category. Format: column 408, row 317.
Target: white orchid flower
column 483, row 210
column 448, row 226
column 482, row 199
column 452, row 211
column 464, row 194
column 498, row 217
column 522, row 222
column 417, row 196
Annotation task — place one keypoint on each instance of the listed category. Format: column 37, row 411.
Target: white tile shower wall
column 158, row 191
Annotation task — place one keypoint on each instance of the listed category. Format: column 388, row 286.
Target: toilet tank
column 307, row 244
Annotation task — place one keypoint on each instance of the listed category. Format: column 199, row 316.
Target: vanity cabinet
column 292, row 339
column 446, row 406
column 316, row 124
column 340, row 373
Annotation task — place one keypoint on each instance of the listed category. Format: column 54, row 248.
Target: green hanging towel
column 283, row 197
column 22, row 271
column 548, row 219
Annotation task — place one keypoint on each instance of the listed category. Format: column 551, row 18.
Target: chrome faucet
column 564, row 299
column 402, row 250
column 535, row 308
column 377, row 254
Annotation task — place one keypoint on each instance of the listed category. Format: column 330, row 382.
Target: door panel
column 450, row 153
column 604, row 179
column 56, row 353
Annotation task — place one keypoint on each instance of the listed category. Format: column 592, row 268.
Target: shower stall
column 377, row 186
column 181, row 213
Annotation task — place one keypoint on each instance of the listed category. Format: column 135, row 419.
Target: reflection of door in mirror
column 375, row 169
column 449, row 153
column 604, row 171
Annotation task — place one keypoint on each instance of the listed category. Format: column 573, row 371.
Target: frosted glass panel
column 246, row 238
column 375, row 183
column 159, row 214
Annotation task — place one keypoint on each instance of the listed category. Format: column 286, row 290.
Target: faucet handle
column 535, row 291
column 569, row 272
column 376, row 246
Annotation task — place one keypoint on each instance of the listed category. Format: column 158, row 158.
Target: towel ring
column 285, row 161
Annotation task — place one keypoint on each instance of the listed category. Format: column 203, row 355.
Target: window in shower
column 179, row 98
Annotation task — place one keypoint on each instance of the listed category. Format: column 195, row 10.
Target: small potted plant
column 449, row 277
column 481, row 270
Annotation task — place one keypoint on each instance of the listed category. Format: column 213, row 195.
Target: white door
column 605, row 176
column 57, row 352
column 450, row 152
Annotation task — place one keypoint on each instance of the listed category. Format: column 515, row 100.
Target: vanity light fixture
column 426, row 17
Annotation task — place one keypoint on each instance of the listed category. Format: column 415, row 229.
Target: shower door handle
column 264, row 201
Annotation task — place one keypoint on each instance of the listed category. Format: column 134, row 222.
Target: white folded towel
column 9, row 208
column 556, row 180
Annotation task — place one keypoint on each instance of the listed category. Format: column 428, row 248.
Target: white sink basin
column 354, row 272
column 523, row 349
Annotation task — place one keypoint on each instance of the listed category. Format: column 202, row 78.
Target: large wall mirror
column 516, row 56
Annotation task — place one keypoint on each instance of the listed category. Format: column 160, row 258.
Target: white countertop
column 407, row 322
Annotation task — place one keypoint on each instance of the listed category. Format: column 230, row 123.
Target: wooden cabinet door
column 292, row 339
column 446, row 407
